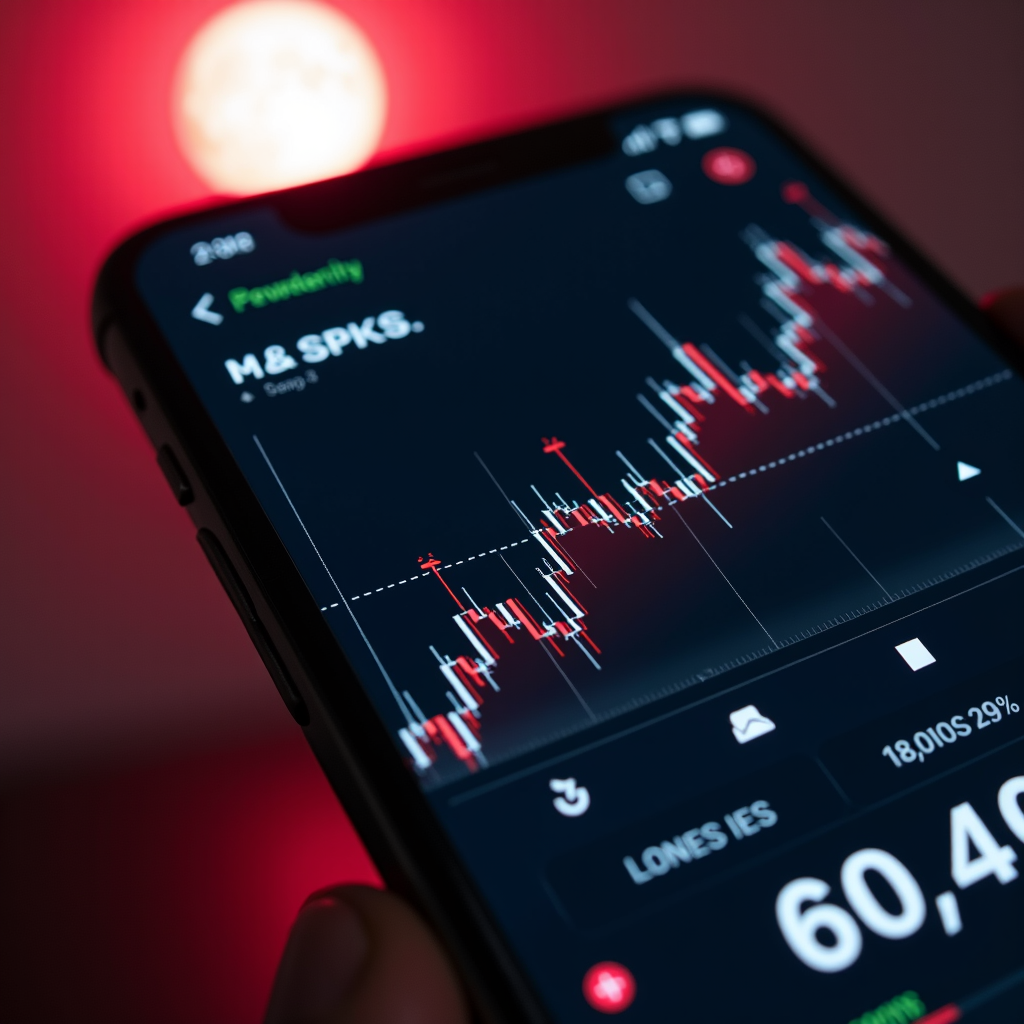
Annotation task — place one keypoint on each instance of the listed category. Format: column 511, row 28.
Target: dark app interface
column 676, row 531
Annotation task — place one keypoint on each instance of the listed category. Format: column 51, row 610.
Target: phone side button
column 175, row 475
column 232, row 584
column 285, row 687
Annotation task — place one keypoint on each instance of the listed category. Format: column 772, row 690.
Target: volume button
column 221, row 565
column 232, row 583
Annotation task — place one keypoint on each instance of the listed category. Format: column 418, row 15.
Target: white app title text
column 315, row 348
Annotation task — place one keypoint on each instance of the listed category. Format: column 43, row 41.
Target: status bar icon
column 648, row 187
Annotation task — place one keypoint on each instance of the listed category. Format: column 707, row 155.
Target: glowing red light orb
column 609, row 987
column 728, row 166
column 272, row 93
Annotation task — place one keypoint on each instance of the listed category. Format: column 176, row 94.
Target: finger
column 407, row 977
column 1007, row 309
column 361, row 956
column 326, row 949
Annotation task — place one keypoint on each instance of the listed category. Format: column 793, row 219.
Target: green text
column 900, row 1009
column 336, row 272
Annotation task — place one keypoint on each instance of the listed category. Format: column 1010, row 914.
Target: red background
column 160, row 819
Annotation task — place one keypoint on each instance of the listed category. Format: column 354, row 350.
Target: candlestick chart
column 646, row 469
column 606, row 558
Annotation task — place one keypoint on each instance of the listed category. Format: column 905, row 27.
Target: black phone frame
column 347, row 736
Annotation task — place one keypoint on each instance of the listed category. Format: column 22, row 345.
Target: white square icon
column 748, row 723
column 915, row 654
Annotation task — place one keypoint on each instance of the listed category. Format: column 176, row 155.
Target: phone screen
column 675, row 529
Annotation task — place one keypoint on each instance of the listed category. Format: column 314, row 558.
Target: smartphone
column 634, row 523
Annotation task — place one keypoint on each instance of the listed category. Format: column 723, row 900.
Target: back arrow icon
column 201, row 311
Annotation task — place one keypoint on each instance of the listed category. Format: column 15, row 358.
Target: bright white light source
column 273, row 93
column 915, row 654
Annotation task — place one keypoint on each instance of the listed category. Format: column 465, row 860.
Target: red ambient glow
column 609, row 987
column 274, row 93
column 728, row 166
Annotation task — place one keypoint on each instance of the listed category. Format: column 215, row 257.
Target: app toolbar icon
column 728, row 166
column 609, row 987
column 915, row 654
column 573, row 800
column 648, row 187
column 748, row 723
column 201, row 311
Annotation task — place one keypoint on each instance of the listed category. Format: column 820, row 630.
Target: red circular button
column 609, row 987
column 728, row 166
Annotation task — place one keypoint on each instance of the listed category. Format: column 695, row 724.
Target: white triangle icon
column 964, row 471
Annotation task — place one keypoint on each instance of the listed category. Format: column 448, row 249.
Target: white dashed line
column 888, row 421
column 450, row 565
column 849, row 435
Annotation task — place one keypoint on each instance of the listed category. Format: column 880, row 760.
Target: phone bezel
column 348, row 737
